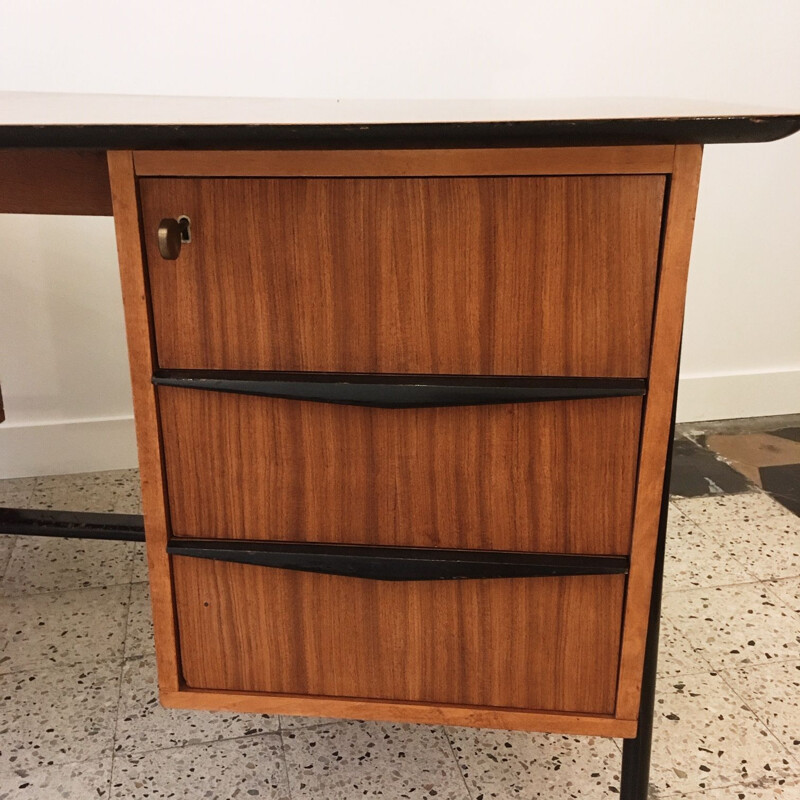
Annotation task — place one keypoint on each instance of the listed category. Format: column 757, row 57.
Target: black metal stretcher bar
column 72, row 524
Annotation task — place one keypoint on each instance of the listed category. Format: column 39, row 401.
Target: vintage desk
column 404, row 382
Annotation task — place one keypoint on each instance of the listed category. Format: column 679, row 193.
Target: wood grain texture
column 140, row 355
column 545, row 643
column 347, row 163
column 545, row 477
column 514, row 276
column 54, row 182
column 658, row 414
column 397, row 711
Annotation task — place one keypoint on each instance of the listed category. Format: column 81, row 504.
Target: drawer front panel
column 464, row 275
column 538, row 643
column 546, row 477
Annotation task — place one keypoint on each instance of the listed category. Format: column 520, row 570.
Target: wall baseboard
column 757, row 394
column 66, row 447
column 94, row 445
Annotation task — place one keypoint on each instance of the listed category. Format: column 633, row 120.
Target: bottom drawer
column 544, row 643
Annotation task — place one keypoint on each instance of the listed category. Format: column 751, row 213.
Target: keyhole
column 186, row 228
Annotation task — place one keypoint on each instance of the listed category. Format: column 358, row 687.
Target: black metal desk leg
column 636, row 752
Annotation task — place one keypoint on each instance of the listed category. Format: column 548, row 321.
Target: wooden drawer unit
column 403, row 418
column 456, row 275
column 523, row 643
column 555, row 476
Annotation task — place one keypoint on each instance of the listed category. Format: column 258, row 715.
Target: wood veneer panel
column 141, row 358
column 398, row 711
column 546, row 477
column 658, row 414
column 544, row 643
column 348, row 163
column 508, row 275
column 54, row 182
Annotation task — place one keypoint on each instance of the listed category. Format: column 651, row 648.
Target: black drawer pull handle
column 399, row 391
column 397, row 563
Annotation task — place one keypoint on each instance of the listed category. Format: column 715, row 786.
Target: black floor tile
column 697, row 471
column 787, row 433
column 783, row 483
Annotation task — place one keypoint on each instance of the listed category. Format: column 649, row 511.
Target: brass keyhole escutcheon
column 172, row 233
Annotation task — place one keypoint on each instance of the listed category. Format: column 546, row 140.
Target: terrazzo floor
column 79, row 716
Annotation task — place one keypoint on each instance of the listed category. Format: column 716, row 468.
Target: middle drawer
column 554, row 476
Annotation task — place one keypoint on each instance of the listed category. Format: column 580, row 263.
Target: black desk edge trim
column 516, row 133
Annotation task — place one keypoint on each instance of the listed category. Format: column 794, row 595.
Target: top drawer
column 463, row 275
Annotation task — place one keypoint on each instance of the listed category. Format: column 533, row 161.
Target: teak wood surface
column 553, row 477
column 54, row 182
column 527, row 643
column 458, row 275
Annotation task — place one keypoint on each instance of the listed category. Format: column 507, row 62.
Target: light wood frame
column 654, row 159
column 664, row 354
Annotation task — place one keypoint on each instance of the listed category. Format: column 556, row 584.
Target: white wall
column 63, row 360
column 62, row 363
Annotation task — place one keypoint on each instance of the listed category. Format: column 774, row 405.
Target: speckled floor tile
column 139, row 567
column 731, row 626
column 292, row 722
column 239, row 768
column 773, row 692
column 16, row 492
column 7, row 543
column 675, row 654
column 143, row 724
column 57, row 715
column 704, row 737
column 782, row 790
column 762, row 534
column 86, row 780
column 696, row 558
column 62, row 627
column 371, row 759
column 787, row 590
column 733, row 509
column 770, row 547
column 114, row 491
column 139, row 629
column 505, row 764
column 45, row 564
